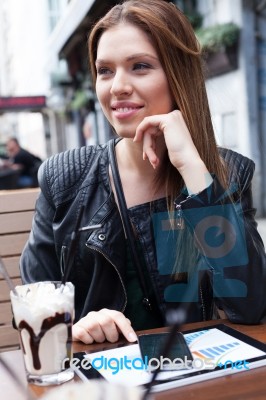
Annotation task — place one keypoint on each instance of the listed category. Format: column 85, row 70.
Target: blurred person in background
column 23, row 160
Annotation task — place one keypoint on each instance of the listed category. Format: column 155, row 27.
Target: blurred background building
column 43, row 48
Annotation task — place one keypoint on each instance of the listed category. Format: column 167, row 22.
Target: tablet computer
column 217, row 350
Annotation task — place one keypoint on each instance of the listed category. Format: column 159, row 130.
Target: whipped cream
column 44, row 315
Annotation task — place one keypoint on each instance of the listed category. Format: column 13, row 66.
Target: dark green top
column 140, row 317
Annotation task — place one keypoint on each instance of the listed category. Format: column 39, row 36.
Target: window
column 56, row 9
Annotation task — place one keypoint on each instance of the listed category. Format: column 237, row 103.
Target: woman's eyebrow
column 100, row 61
column 138, row 55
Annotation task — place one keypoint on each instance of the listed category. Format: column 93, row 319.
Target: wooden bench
column 16, row 213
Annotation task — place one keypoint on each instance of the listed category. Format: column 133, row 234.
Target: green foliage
column 214, row 38
column 195, row 19
column 80, row 100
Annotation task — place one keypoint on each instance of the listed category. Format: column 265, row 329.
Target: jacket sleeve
column 39, row 261
column 60, row 179
column 225, row 232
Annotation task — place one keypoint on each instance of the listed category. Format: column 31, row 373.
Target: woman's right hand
column 99, row 326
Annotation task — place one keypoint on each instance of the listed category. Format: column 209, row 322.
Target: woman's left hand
column 180, row 146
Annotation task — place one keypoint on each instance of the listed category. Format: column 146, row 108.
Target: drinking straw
column 175, row 319
column 73, row 244
column 7, row 278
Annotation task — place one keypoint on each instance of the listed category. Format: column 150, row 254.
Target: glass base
column 52, row 379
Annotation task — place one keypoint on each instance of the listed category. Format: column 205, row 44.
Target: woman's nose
column 121, row 84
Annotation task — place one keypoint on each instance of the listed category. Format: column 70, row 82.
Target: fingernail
column 132, row 337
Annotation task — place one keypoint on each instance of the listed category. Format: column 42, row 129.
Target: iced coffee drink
column 44, row 314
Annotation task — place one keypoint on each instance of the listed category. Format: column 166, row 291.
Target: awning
column 22, row 103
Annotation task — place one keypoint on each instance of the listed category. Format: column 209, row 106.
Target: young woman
column 189, row 203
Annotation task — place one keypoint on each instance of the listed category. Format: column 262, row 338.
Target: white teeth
column 124, row 109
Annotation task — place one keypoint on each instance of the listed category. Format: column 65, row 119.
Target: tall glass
column 44, row 313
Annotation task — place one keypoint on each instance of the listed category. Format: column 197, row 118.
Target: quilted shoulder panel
column 63, row 174
column 241, row 168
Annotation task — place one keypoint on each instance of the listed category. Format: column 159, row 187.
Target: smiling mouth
column 125, row 109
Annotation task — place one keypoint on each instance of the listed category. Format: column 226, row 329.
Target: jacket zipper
column 180, row 225
column 180, row 220
column 203, row 305
column 96, row 249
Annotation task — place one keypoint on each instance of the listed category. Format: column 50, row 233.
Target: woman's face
column 131, row 83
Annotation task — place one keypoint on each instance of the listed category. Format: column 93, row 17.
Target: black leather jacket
column 80, row 176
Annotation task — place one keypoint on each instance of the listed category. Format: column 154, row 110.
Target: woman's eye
column 141, row 66
column 103, row 71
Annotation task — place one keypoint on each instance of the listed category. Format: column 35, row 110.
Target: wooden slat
column 16, row 214
column 4, row 289
column 12, row 244
column 8, row 336
column 5, row 313
column 18, row 200
column 12, row 266
column 16, row 222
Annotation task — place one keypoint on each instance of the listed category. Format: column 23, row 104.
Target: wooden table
column 249, row 385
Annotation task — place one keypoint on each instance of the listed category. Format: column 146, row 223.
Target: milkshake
column 43, row 313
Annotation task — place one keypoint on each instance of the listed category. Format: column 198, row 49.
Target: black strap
column 126, row 221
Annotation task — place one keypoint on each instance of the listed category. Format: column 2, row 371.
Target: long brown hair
column 179, row 52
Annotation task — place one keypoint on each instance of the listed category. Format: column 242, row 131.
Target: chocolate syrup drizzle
column 48, row 323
